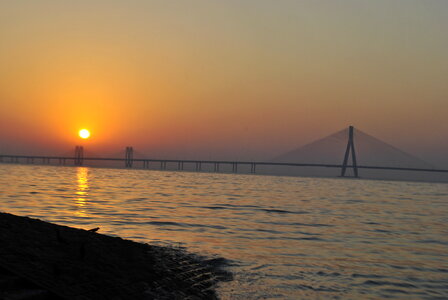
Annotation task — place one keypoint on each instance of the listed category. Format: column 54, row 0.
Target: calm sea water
column 284, row 237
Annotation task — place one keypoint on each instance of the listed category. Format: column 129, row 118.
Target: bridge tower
column 350, row 148
column 129, row 157
column 79, row 155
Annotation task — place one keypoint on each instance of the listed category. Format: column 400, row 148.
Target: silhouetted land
column 48, row 261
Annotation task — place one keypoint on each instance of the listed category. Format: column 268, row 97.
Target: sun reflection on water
column 284, row 237
column 82, row 190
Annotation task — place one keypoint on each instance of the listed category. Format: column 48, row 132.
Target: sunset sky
column 222, row 79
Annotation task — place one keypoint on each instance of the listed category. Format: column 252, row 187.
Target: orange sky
column 222, row 79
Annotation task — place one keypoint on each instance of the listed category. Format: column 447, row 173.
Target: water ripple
column 284, row 237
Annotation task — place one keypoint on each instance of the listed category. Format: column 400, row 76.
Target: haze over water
column 231, row 80
column 283, row 237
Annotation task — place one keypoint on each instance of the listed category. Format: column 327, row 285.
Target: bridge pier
column 79, row 155
column 129, row 157
column 350, row 148
column 252, row 168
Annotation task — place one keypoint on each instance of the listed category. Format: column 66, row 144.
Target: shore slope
column 72, row 263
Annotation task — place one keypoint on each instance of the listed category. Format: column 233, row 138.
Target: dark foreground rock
column 40, row 260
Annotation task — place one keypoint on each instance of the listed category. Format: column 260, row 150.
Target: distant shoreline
column 230, row 173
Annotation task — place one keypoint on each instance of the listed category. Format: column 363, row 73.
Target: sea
column 281, row 237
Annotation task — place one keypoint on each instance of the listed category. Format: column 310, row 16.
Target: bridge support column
column 252, row 168
column 350, row 148
column 79, row 155
column 129, row 157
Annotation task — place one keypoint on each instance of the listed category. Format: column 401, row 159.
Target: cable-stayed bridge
column 350, row 152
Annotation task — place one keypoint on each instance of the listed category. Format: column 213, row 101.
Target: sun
column 84, row 134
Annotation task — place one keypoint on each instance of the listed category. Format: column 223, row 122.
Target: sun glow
column 84, row 134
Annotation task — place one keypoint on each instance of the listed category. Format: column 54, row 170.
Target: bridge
column 129, row 161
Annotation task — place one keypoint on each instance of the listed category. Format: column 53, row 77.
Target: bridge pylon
column 79, row 155
column 350, row 148
column 129, row 157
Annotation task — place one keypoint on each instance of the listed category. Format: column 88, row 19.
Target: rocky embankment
column 41, row 260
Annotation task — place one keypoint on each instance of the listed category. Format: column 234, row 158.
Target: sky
column 222, row 79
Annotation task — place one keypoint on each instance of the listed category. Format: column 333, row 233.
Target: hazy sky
column 222, row 79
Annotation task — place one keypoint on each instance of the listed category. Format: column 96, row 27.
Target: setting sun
column 84, row 134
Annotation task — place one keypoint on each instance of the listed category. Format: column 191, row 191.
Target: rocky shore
column 41, row 260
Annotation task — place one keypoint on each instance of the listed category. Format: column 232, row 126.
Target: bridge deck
column 218, row 162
